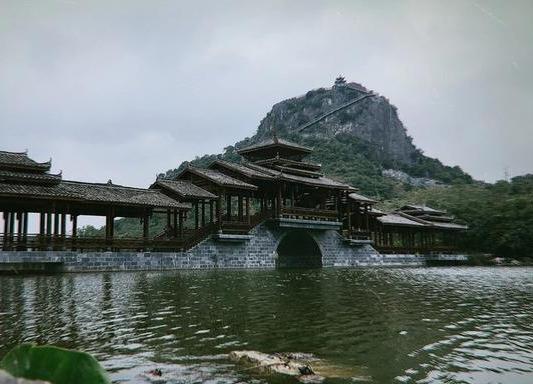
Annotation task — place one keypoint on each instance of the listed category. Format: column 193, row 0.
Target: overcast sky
column 123, row 90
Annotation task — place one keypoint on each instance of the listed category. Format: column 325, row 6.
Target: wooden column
column 228, row 206
column 12, row 226
column 63, row 224
column 56, row 223
column 42, row 223
column 175, row 232
column 211, row 213
column 181, row 216
column 19, row 226
column 219, row 212
column 74, row 219
column 349, row 218
column 278, row 201
column 196, row 213
column 168, row 218
column 6, row 230
column 6, row 225
column 239, row 208
column 203, row 213
column 48, row 223
column 146, row 226
column 25, row 228
column 248, row 210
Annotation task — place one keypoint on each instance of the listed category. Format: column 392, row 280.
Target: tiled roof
column 318, row 182
column 93, row 192
column 20, row 160
column 395, row 219
column 361, row 198
column 288, row 162
column 218, row 178
column 184, row 189
column 449, row 225
column 275, row 142
column 421, row 209
column 264, row 172
column 30, row 177
column 243, row 169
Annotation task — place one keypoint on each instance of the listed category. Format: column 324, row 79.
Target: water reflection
column 396, row 325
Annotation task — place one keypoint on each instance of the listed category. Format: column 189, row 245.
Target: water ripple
column 422, row 325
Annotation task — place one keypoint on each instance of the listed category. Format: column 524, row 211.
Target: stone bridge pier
column 270, row 245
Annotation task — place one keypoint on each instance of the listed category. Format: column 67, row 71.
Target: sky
column 123, row 90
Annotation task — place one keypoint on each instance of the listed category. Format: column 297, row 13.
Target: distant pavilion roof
column 21, row 161
column 184, row 189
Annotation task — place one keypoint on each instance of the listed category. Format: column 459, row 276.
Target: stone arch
column 298, row 249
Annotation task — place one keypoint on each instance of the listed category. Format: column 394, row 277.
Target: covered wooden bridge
column 273, row 182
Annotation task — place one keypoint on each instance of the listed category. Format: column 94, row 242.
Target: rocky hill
column 372, row 120
column 357, row 136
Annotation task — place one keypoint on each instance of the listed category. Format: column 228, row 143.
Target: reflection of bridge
column 230, row 214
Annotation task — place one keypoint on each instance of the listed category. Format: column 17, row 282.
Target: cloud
column 126, row 90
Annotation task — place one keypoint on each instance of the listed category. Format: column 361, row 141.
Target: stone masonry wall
column 258, row 252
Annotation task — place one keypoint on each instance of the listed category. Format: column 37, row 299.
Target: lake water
column 420, row 325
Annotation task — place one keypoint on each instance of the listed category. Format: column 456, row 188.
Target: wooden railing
column 417, row 249
column 309, row 214
column 357, row 235
column 188, row 239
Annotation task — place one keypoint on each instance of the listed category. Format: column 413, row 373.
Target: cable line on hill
column 327, row 114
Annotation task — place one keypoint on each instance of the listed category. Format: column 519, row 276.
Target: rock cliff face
column 373, row 120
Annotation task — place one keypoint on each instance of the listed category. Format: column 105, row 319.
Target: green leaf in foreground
column 53, row 364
